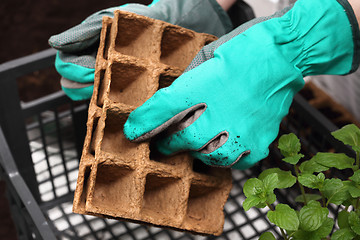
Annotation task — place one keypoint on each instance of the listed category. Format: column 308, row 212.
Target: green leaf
column 354, row 222
column 253, row 186
column 270, row 182
column 335, row 191
column 343, row 217
column 320, row 233
column 289, row 145
column 308, row 196
column 354, row 191
column 343, row 234
column 312, row 216
column 311, row 166
column 261, row 205
column 339, row 197
column 267, row 236
column 350, row 135
column 353, row 188
column 284, row 217
column 303, row 235
column 310, row 181
column 331, row 185
column 337, row 160
column 285, row 178
column 252, row 201
column 293, row 159
column 325, row 228
column 270, row 198
column 321, row 177
column 356, row 177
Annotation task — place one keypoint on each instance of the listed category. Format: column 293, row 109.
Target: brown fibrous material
column 130, row 181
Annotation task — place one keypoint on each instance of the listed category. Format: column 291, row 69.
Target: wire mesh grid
column 53, row 153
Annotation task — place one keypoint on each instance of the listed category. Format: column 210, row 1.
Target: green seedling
column 311, row 220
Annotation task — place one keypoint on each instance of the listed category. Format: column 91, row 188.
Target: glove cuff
column 355, row 33
column 320, row 37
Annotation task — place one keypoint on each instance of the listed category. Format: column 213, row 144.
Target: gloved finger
column 165, row 108
column 250, row 158
column 195, row 132
column 78, row 68
column 229, row 154
column 77, row 91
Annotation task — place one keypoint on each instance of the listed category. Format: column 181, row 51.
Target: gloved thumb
column 87, row 33
column 83, row 35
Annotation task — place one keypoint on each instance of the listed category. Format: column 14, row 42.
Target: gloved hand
column 227, row 108
column 75, row 60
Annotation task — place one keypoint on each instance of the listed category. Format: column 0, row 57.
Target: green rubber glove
column 227, row 108
column 75, row 60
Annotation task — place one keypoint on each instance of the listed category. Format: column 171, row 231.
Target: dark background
column 25, row 28
column 26, row 25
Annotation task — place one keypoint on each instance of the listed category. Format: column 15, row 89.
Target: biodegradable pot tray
column 123, row 180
